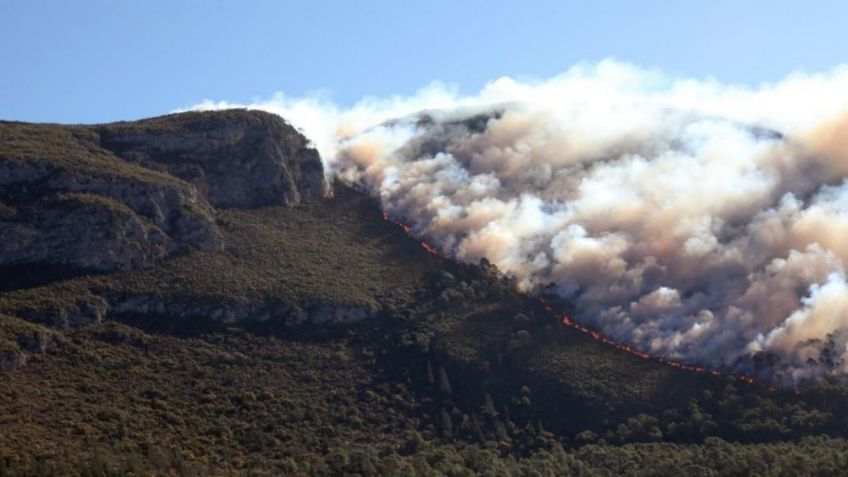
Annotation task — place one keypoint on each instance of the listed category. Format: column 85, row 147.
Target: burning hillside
column 687, row 220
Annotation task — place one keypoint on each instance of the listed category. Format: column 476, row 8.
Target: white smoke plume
column 697, row 221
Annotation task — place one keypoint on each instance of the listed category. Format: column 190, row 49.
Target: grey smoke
column 696, row 221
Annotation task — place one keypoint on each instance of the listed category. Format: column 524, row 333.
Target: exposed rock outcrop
column 66, row 201
column 86, row 231
column 95, row 307
column 235, row 158
column 12, row 359
column 119, row 197
column 19, row 340
column 228, row 312
column 122, row 196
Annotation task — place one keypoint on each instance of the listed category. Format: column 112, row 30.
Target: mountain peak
column 120, row 196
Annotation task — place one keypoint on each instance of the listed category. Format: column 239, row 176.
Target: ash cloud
column 697, row 221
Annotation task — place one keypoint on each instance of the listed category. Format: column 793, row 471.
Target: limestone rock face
column 121, row 196
column 118, row 197
column 85, row 231
column 64, row 201
column 11, row 360
column 19, row 340
column 241, row 159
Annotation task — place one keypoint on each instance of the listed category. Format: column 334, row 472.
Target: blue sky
column 94, row 61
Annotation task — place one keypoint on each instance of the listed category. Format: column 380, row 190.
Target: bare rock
column 11, row 360
column 20, row 339
column 122, row 196
column 65, row 201
column 236, row 158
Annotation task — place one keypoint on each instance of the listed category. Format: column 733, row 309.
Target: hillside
column 180, row 296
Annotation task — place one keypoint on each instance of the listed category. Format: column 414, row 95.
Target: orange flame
column 429, row 248
column 408, row 231
column 568, row 322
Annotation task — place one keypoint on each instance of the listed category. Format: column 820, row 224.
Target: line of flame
column 569, row 323
column 431, row 249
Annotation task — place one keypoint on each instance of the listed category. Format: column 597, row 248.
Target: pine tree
column 476, row 429
column 447, row 423
column 500, row 431
column 489, row 406
column 444, row 382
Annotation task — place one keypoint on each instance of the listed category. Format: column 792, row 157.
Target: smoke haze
column 697, row 221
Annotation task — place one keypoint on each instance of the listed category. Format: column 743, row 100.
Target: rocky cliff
column 89, row 215
column 234, row 158
column 122, row 196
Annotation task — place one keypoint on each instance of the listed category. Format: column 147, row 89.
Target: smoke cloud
column 697, row 221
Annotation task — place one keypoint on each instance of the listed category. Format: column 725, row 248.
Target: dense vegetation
column 456, row 375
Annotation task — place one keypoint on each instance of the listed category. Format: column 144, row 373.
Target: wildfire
column 429, row 248
column 408, row 231
column 568, row 322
